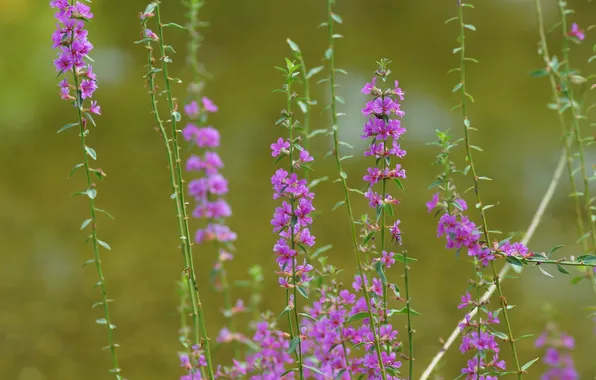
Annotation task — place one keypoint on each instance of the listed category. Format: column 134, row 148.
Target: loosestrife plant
column 78, row 87
column 327, row 329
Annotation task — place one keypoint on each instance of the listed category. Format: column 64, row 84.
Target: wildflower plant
column 328, row 329
column 199, row 349
column 78, row 86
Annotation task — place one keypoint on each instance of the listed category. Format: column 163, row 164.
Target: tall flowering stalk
column 292, row 219
column 343, row 177
column 557, row 356
column 386, row 133
column 482, row 253
column 200, row 348
column 560, row 104
column 569, row 78
column 70, row 39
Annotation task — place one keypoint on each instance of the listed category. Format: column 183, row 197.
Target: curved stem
column 94, row 239
column 343, row 177
column 576, row 115
column 178, row 185
column 536, row 219
column 409, row 316
column 479, row 204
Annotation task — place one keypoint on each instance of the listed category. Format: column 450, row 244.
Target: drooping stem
column 343, row 178
column 465, row 96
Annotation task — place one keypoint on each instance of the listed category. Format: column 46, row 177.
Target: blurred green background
column 46, row 322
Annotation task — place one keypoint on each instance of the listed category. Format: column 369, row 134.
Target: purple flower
column 192, row 109
column 207, row 137
column 70, row 40
column 280, row 147
column 577, row 32
column 208, row 105
column 369, row 86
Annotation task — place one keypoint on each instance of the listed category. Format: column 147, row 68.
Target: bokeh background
column 47, row 328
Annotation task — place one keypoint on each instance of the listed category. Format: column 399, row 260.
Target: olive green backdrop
column 46, row 321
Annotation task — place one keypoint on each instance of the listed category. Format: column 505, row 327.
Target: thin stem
column 306, row 119
column 197, row 306
column 575, row 111
column 383, row 227
column 479, row 204
column 564, row 132
column 164, row 136
column 292, row 202
column 536, row 219
column 343, row 177
column 409, row 315
column 94, row 239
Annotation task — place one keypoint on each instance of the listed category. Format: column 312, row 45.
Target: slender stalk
column 564, row 132
column 409, row 316
column 575, row 111
column 295, row 288
column 383, row 227
column 536, row 219
column 197, row 307
column 164, row 136
column 306, row 119
column 346, row 189
column 94, row 239
column 479, row 204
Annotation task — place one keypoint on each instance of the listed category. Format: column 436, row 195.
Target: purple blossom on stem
column 577, row 32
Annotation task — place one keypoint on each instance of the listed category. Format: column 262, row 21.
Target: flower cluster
column 208, row 191
column 292, row 219
column 340, row 348
column 557, row 355
column 70, row 38
column 479, row 338
column 385, row 133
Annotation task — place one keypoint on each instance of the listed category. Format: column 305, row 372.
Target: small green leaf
column 380, row 272
column 358, row 316
column 529, row 364
column 293, row 344
column 287, row 308
column 321, row 250
column 177, row 116
column 91, row 193
column 302, row 290
column 313, row 369
column 86, row 223
column 499, row 334
column 75, row 169
column 399, row 184
column 514, row 261
column 104, row 244
column 67, row 126
column 293, row 45
column 336, row 18
column 101, row 321
column 104, row 212
column 562, row 270
column 174, row 25
column 91, row 152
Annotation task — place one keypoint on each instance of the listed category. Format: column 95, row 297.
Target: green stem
column 343, row 177
column 409, row 315
column 576, row 115
column 581, row 263
column 564, row 132
column 464, row 94
column 306, row 120
column 197, row 306
column 94, row 239
column 164, row 136
column 293, row 243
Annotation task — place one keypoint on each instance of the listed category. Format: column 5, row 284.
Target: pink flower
column 577, row 32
